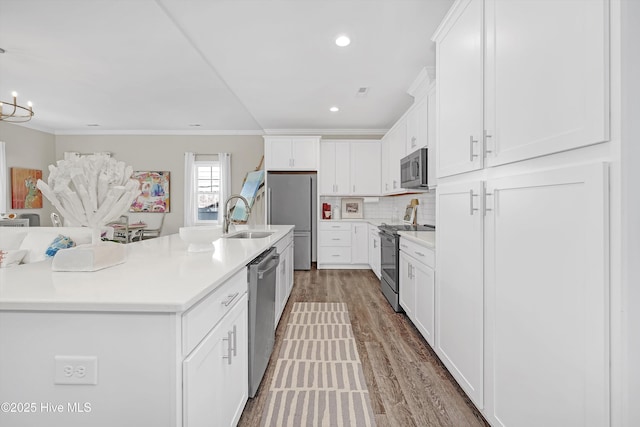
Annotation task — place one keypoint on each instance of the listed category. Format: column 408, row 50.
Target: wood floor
column 407, row 383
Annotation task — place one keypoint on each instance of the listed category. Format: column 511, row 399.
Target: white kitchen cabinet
column 418, row 126
column 459, row 309
column 347, row 168
column 495, row 105
column 365, row 173
column 284, row 275
column 424, row 318
column 343, row 244
column 459, row 67
column 215, row 374
column 291, row 153
column 560, row 106
column 393, row 149
column 374, row 250
column 360, row 243
column 431, row 138
column 417, row 286
column 407, row 285
column 335, row 168
column 547, row 295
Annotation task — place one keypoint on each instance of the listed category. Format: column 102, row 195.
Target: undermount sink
column 250, row 235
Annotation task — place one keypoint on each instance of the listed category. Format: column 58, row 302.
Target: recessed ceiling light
column 342, row 40
column 334, row 109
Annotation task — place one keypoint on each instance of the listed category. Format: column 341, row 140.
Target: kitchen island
column 120, row 346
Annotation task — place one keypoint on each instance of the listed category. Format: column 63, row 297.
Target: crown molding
column 325, row 131
column 161, row 132
column 420, row 86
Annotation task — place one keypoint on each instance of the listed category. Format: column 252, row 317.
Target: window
column 208, row 190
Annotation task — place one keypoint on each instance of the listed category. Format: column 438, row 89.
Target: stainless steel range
column 389, row 251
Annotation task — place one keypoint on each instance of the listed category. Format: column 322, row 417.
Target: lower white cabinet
column 215, row 374
column 417, row 286
column 522, row 295
column 284, row 275
column 343, row 244
column 547, row 298
column 360, row 243
column 459, row 300
column 374, row 250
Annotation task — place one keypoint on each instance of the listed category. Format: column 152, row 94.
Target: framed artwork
column 24, row 193
column 410, row 214
column 155, row 192
column 249, row 191
column 352, row 208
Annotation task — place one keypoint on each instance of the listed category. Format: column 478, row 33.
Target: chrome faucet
column 225, row 224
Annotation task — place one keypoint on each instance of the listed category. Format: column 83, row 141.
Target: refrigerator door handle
column 268, row 205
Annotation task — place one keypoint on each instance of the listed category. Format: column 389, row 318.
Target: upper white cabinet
column 418, row 126
column 365, row 173
column 291, row 153
column 532, row 82
column 393, row 149
column 348, row 167
column 335, row 164
column 459, row 104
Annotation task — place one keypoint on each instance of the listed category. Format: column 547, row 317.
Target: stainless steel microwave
column 413, row 170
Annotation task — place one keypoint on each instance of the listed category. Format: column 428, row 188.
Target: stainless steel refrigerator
column 291, row 200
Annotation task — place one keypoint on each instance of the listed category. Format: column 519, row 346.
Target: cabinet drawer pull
column 230, row 299
column 419, row 253
column 336, row 238
column 335, row 226
column 335, row 255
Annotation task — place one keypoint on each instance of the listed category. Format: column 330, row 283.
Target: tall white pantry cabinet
column 525, row 212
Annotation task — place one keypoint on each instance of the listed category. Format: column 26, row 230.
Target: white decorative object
column 90, row 191
column 200, row 239
column 89, row 257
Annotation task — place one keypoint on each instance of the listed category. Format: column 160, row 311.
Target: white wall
column 166, row 153
column 32, row 149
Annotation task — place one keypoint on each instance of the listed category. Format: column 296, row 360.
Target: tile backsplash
column 392, row 207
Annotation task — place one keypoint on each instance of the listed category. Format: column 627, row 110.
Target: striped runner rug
column 318, row 380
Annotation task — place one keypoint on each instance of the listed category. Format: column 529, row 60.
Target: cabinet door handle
column 471, row 196
column 228, row 340
column 471, row 142
column 487, row 135
column 413, row 141
column 375, row 244
column 235, row 340
column 230, row 299
column 486, row 202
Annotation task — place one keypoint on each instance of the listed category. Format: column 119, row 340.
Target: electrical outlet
column 76, row 370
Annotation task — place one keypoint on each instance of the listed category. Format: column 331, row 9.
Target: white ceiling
column 227, row 65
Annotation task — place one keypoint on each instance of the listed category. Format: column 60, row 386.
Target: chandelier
column 14, row 113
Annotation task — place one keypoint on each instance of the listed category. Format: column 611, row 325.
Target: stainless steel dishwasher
column 262, row 314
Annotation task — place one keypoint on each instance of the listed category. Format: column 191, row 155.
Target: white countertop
column 373, row 221
column 425, row 238
column 158, row 276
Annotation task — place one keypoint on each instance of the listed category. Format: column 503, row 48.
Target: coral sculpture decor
column 90, row 191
